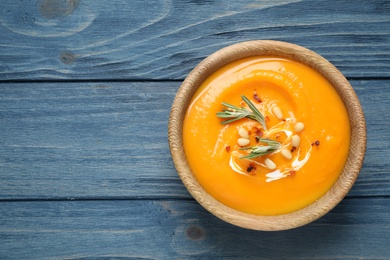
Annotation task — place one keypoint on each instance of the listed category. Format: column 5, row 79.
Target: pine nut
column 243, row 141
column 270, row 164
column 286, row 153
column 277, row 112
column 242, row 132
column 299, row 126
column 295, row 141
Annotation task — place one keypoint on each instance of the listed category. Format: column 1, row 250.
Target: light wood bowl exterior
column 283, row 50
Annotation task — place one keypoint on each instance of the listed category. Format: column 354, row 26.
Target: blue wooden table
column 85, row 92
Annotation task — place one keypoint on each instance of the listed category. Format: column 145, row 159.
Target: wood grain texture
column 96, row 141
column 109, row 140
column 164, row 39
column 356, row 229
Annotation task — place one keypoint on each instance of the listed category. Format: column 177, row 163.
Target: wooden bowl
column 283, row 50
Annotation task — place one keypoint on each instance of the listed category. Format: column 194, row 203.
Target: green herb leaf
column 236, row 113
column 256, row 114
column 260, row 150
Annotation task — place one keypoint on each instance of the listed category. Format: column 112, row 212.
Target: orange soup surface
column 302, row 113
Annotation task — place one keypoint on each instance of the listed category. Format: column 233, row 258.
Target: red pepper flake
column 292, row 173
column 293, row 149
column 267, row 118
column 251, row 167
column 316, row 143
column 258, row 132
column 256, row 97
column 227, row 148
column 277, row 136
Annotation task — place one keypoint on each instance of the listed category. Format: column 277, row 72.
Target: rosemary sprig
column 261, row 150
column 237, row 113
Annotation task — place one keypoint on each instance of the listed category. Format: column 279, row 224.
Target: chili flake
column 258, row 132
column 316, row 143
column 251, row 167
column 256, row 97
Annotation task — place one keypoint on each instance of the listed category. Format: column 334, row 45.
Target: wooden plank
column 356, row 229
column 98, row 140
column 373, row 96
column 161, row 39
column 82, row 139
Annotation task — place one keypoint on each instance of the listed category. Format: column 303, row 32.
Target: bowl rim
column 282, row 50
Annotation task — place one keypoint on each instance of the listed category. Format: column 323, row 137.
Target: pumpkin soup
column 266, row 136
